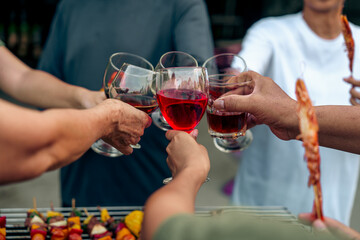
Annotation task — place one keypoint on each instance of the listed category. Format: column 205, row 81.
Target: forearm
column 176, row 197
column 33, row 142
column 39, row 88
column 339, row 127
column 43, row 90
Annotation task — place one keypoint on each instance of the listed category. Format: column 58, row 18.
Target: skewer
column 34, row 203
column 317, row 202
column 86, row 212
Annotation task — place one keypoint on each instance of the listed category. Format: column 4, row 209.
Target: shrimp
column 349, row 41
column 309, row 134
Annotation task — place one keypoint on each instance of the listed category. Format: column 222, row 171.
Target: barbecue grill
column 15, row 217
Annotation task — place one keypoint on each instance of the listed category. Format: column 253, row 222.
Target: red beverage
column 226, row 122
column 146, row 104
column 182, row 108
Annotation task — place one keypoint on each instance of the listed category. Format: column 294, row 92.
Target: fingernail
column 219, row 104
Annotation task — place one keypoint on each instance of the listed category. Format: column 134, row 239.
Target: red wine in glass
column 224, row 124
column 227, row 122
column 182, row 108
column 146, row 104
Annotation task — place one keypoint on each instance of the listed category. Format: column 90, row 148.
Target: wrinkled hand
column 334, row 227
column 354, row 94
column 267, row 104
column 128, row 125
column 184, row 153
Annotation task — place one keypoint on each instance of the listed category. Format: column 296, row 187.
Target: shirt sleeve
column 232, row 226
column 2, row 43
column 257, row 48
column 192, row 33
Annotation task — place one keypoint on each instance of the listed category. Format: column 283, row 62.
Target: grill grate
column 15, row 217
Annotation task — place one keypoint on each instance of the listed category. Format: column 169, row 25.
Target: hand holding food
column 354, row 94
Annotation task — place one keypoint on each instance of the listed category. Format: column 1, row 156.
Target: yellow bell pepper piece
column 133, row 221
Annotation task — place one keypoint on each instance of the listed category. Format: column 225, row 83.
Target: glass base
column 169, row 179
column 234, row 145
column 159, row 121
column 105, row 149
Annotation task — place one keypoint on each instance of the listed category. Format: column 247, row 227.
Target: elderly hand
column 184, row 153
column 267, row 103
column 128, row 127
column 354, row 94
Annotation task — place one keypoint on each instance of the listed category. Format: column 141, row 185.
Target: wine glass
column 170, row 60
column 181, row 94
column 134, row 85
column 116, row 61
column 227, row 128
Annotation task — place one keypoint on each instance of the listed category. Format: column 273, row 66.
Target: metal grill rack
column 15, row 217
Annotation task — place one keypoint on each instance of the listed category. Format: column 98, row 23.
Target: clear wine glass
column 181, row 94
column 227, row 128
column 170, row 60
column 116, row 61
column 134, row 85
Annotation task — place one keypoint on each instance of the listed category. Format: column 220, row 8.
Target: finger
column 352, row 81
column 251, row 121
column 172, row 133
column 354, row 92
column 134, row 140
column 355, row 101
column 306, row 218
column 194, row 133
column 319, row 225
column 149, row 121
column 126, row 150
column 233, row 103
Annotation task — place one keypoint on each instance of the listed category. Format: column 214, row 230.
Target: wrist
column 292, row 120
column 192, row 177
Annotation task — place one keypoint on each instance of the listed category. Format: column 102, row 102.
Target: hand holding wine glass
column 128, row 127
column 134, row 86
column 116, row 61
column 182, row 97
column 186, row 156
column 227, row 128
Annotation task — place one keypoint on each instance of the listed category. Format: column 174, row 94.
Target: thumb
column 232, row 103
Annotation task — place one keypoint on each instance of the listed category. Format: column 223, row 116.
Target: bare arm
column 32, row 142
column 189, row 164
column 268, row 104
column 39, row 88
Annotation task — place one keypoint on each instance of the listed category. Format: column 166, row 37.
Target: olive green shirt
column 2, row 43
column 233, row 226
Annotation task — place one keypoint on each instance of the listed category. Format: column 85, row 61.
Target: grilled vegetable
column 133, row 221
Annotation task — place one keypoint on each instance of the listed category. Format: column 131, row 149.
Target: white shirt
column 272, row 171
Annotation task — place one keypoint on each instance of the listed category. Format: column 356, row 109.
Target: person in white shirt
column 310, row 45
